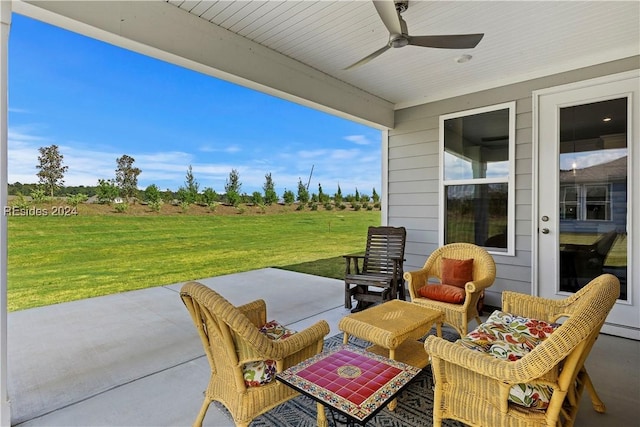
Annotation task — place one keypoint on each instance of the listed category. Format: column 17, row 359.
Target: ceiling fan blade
column 453, row 41
column 389, row 15
column 368, row 58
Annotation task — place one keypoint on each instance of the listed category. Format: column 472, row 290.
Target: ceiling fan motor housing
column 402, row 5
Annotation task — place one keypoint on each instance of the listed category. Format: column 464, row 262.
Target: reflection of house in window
column 595, row 193
column 585, row 202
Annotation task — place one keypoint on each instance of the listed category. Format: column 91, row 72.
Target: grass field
column 54, row 259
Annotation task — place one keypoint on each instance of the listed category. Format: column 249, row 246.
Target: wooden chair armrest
column 352, row 259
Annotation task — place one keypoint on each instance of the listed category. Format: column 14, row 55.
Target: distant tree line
column 124, row 189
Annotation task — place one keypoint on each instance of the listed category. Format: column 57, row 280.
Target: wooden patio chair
column 458, row 305
column 478, row 388
column 380, row 267
column 237, row 349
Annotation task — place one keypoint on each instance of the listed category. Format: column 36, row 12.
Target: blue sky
column 98, row 102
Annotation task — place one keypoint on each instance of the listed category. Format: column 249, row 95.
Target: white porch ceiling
column 522, row 40
column 299, row 49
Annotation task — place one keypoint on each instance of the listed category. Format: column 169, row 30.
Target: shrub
column 156, row 205
column 233, row 198
column 300, row 207
column 106, row 191
column 76, row 199
column 20, row 202
column 184, row 206
column 209, row 196
column 356, row 206
column 328, row 206
column 152, row 194
column 342, row 206
column 288, row 197
column 121, row 207
column 314, row 206
column 39, row 196
column 257, row 198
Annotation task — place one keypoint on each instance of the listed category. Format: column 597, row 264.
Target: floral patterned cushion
column 510, row 337
column 264, row 371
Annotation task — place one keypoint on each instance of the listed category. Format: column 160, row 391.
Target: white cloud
column 230, row 149
column 358, row 139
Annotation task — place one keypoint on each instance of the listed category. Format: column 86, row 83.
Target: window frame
column 509, row 179
column 582, row 202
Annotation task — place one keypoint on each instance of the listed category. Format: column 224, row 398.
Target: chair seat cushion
column 456, row 272
column 263, row 372
column 510, row 337
column 444, row 293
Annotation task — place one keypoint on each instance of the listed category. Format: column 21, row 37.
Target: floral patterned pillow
column 264, row 371
column 510, row 337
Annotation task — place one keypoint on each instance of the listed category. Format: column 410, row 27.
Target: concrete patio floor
column 134, row 359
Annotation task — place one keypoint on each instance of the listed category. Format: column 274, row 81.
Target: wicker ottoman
column 394, row 328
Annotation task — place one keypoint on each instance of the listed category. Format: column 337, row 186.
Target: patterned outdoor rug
column 415, row 403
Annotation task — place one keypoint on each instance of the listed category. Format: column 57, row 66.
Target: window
column 585, row 202
column 477, row 167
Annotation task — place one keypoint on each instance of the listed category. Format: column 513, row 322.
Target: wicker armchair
column 473, row 387
column 231, row 338
column 484, row 273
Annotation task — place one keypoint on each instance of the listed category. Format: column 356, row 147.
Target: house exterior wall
column 413, row 172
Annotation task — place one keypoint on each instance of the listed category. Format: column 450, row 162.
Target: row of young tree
column 51, row 172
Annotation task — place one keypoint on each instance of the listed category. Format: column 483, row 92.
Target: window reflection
column 593, row 193
column 477, row 214
column 477, row 146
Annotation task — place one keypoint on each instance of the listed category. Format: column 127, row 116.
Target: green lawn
column 54, row 259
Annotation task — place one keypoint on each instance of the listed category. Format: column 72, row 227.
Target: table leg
column 322, row 417
column 394, row 403
column 439, row 329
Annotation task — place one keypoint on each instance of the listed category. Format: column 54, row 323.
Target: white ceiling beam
column 163, row 31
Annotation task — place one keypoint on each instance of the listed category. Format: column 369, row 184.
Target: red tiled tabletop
column 353, row 381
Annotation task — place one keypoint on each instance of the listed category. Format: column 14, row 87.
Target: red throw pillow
column 457, row 272
column 444, row 293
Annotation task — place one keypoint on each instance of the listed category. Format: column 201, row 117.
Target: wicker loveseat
column 235, row 338
column 475, row 388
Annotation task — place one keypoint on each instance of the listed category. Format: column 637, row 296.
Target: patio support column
column 384, row 191
column 5, row 24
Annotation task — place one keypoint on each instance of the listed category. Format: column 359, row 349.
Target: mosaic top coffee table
column 350, row 380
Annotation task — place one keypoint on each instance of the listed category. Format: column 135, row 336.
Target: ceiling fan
column 390, row 11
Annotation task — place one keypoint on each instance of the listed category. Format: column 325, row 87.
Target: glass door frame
column 624, row 319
